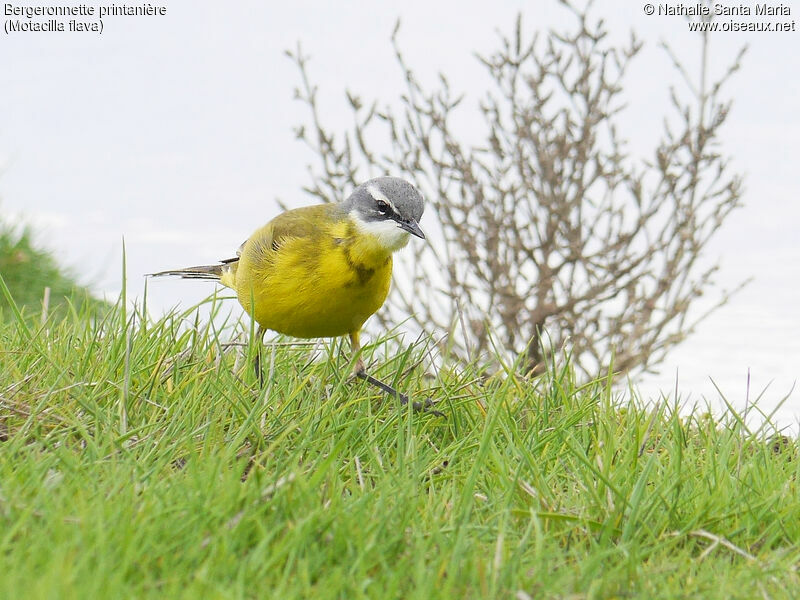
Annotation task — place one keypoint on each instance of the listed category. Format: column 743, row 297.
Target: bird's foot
column 426, row 406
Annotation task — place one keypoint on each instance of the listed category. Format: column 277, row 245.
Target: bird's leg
column 355, row 346
column 257, row 360
column 361, row 372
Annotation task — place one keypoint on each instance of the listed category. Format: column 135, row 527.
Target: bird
column 321, row 271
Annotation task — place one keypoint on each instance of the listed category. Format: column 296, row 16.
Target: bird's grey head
column 389, row 208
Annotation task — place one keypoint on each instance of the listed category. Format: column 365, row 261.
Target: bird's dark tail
column 211, row 272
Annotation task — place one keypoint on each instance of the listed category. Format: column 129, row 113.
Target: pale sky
column 175, row 133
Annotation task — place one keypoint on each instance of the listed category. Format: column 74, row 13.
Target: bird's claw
column 426, row 406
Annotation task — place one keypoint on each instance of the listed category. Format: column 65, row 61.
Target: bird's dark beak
column 411, row 227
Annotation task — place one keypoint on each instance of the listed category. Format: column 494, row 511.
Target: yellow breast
column 320, row 284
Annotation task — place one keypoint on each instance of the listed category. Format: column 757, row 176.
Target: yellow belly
column 319, row 287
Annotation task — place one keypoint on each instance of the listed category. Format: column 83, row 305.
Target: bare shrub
column 549, row 232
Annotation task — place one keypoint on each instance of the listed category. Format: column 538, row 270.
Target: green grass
column 28, row 269
column 140, row 459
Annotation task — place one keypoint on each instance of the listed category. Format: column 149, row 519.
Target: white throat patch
column 389, row 234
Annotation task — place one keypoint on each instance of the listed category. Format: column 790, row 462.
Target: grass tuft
column 140, row 458
column 34, row 277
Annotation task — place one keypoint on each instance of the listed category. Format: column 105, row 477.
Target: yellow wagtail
column 321, row 271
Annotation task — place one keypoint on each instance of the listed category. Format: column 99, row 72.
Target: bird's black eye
column 383, row 207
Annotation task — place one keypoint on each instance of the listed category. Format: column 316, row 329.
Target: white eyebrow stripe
column 378, row 195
